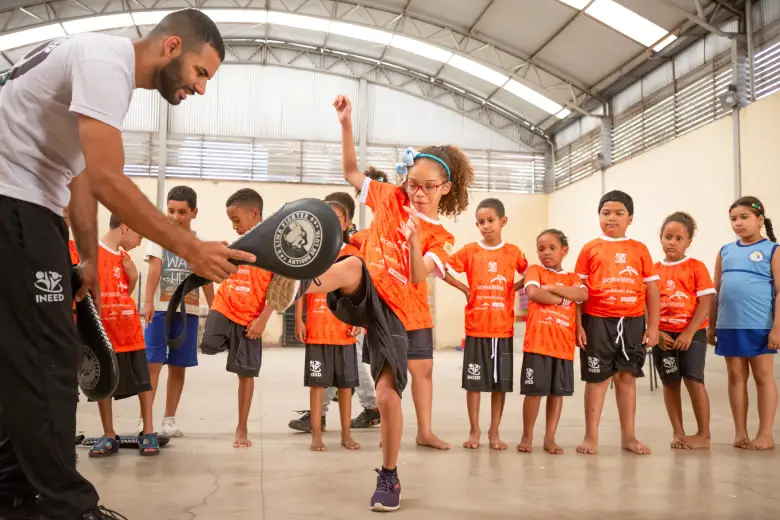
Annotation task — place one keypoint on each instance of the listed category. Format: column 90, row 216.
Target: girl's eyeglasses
column 429, row 189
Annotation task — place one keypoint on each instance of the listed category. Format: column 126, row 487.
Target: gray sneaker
column 366, row 419
column 303, row 423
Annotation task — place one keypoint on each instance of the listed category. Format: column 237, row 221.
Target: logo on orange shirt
column 621, row 258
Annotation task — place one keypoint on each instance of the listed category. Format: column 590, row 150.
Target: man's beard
column 170, row 81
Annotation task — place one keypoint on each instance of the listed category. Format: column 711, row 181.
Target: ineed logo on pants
column 49, row 284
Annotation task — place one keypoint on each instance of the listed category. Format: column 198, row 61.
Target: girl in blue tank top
column 744, row 323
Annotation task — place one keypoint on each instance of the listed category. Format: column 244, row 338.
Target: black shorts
column 673, row 365
column 546, row 375
column 133, row 374
column 614, row 344
column 420, row 344
column 244, row 355
column 386, row 340
column 331, row 365
column 488, row 364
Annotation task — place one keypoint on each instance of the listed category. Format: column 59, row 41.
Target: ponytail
column 770, row 232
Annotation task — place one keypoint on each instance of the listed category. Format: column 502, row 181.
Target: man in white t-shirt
column 61, row 111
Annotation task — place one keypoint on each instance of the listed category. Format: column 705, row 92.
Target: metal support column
column 162, row 154
column 605, row 157
column 741, row 94
column 549, row 168
column 362, row 140
column 751, row 49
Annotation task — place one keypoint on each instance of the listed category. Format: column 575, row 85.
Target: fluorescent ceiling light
column 563, row 113
column 577, row 4
column 150, row 17
column 478, row 70
column 28, row 36
column 626, row 21
column 420, row 48
column 256, row 16
column 361, row 33
column 301, row 22
column 533, row 97
column 663, row 43
column 98, row 23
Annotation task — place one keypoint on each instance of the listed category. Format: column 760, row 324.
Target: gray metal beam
column 696, row 19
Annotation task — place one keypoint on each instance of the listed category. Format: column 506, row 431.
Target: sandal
column 148, row 445
column 104, row 447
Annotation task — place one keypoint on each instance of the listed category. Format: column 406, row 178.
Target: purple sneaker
column 387, row 496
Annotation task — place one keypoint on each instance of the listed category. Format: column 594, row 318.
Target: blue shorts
column 745, row 343
column 157, row 350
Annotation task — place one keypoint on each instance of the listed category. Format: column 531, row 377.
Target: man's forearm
column 83, row 218
column 121, row 196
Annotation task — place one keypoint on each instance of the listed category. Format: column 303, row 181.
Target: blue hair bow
column 407, row 161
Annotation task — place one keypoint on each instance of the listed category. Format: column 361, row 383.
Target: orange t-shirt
column 74, row 253
column 490, row 311
column 322, row 327
column 118, row 310
column 551, row 329
column 357, row 239
column 386, row 251
column 681, row 285
column 615, row 271
column 241, row 298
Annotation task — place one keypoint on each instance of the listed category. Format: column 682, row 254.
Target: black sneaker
column 366, row 419
column 102, row 513
column 387, row 496
column 303, row 423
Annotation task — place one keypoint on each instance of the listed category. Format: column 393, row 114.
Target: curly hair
column 374, row 173
column 683, row 218
column 462, row 175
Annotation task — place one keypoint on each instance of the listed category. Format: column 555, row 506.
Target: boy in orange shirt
column 490, row 266
column 239, row 314
column 331, row 354
column 622, row 282
column 119, row 313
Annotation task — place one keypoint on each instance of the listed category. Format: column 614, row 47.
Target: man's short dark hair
column 618, row 196
column 194, row 28
column 247, row 198
column 184, row 194
column 345, row 199
column 114, row 222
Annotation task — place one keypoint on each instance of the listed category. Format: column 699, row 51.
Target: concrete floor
column 202, row 476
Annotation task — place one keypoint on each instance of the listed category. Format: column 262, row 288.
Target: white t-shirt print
column 173, row 271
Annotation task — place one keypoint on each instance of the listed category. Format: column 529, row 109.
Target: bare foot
column 635, row 446
column 741, row 441
column 496, row 443
column 241, row 440
column 550, row 446
column 473, row 441
column 317, row 444
column 588, row 446
column 349, row 443
column 525, row 444
column 432, row 441
column 762, row 443
column 697, row 442
column 679, row 442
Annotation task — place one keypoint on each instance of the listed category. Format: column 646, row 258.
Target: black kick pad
column 99, row 370
column 300, row 241
column 128, row 442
